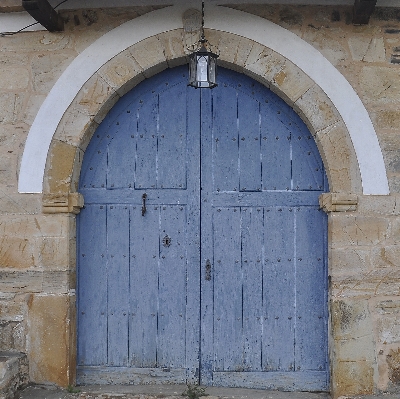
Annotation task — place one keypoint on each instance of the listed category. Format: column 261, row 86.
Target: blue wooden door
column 202, row 251
column 264, row 310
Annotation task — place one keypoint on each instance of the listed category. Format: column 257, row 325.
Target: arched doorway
column 202, row 250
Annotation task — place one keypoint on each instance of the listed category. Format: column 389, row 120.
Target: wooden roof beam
column 362, row 11
column 44, row 13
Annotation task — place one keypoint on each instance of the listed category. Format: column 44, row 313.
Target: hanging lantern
column 203, row 64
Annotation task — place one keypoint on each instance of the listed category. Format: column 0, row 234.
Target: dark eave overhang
column 362, row 11
column 44, row 13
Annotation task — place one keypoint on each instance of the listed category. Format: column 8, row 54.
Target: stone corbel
column 62, row 203
column 338, row 202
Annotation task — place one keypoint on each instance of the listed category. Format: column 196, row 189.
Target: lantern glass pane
column 202, row 70
column 192, row 70
column 212, row 64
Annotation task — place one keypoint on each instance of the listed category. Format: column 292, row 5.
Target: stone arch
column 344, row 153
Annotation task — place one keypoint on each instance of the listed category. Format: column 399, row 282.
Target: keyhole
column 167, row 241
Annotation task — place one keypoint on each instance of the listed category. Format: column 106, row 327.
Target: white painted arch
column 290, row 46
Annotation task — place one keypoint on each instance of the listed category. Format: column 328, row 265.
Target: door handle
column 208, row 270
column 144, row 196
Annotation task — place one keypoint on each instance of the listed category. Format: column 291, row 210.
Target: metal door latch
column 144, row 196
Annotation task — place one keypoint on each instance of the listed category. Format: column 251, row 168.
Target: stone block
column 317, row 110
column 234, row 50
column 376, row 51
column 393, row 362
column 394, row 182
column 352, row 378
column 150, row 55
column 394, row 234
column 49, row 321
column 291, row 83
column 32, row 107
column 53, row 253
column 95, row 98
column 377, row 282
column 349, row 261
column 8, row 168
column 386, row 256
column 263, row 64
column 14, row 78
column 379, row 205
column 47, row 67
column 20, row 281
column 338, row 202
column 326, row 41
column 78, row 163
column 58, row 281
column 11, row 203
column 347, row 230
column 59, row 168
column 31, row 226
column 358, row 46
column 392, row 161
column 388, row 321
column 16, row 252
column 356, row 349
column 122, row 73
column 13, row 373
column 367, row 48
column 351, row 320
column 12, row 335
column 37, row 42
column 63, row 203
column 380, row 85
column 76, row 127
column 174, row 50
column 11, row 105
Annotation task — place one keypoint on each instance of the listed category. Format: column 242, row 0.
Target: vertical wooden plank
column 307, row 169
column 279, row 290
column 94, row 167
column 146, row 142
column 92, row 287
column 228, row 282
column 172, row 287
column 225, row 145
column 118, row 284
column 252, row 241
column 172, row 160
column 311, row 290
column 275, row 147
column 206, row 228
column 193, row 236
column 144, row 259
column 121, row 151
column 249, row 143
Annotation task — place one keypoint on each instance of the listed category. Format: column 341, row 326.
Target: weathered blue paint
column 223, row 280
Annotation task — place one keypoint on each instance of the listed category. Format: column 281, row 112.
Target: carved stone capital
column 63, row 203
column 338, row 202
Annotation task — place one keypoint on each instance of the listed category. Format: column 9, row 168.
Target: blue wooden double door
column 201, row 246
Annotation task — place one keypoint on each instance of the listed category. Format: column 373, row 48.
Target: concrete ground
column 171, row 392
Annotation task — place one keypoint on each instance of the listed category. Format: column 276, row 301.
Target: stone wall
column 37, row 251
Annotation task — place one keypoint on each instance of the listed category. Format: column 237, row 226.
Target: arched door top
column 157, row 40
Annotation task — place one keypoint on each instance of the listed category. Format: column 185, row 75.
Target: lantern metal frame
column 202, row 63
